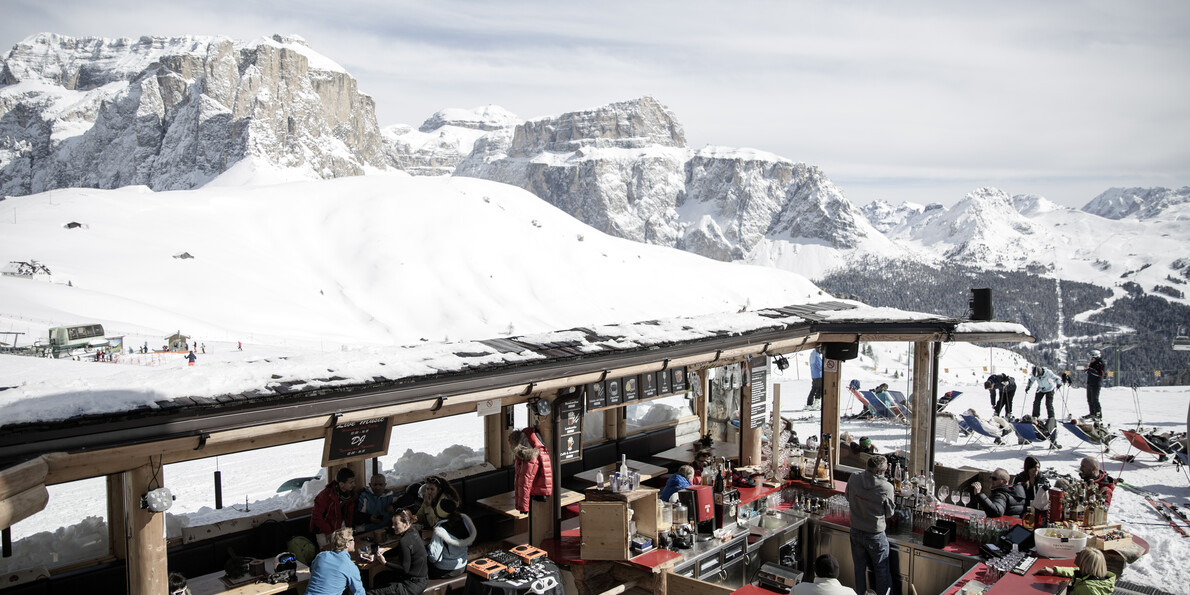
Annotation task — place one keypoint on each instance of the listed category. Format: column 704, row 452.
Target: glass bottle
column 1030, row 519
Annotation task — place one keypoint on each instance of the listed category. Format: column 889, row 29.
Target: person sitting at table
column 432, row 492
column 177, row 584
column 703, row 458
column 376, row 504
column 455, row 533
column 1002, row 500
column 1030, row 480
column 1090, row 578
column 408, row 572
column 333, row 572
column 826, row 579
column 334, row 507
column 677, row 482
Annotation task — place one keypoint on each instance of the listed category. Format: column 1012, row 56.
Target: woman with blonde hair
column 1090, row 578
column 333, row 571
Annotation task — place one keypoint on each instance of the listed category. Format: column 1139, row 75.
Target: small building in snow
column 27, row 270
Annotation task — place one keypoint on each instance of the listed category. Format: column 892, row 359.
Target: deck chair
column 978, row 428
column 868, row 410
column 882, row 409
column 1028, row 433
column 902, row 402
column 946, row 399
column 1139, row 442
column 1078, row 432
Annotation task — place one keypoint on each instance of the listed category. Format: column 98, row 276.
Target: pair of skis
column 1168, row 510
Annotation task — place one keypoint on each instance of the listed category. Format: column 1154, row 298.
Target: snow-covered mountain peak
column 632, row 124
column 1139, row 203
column 486, row 118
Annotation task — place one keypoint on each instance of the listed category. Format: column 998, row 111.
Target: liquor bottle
column 897, row 477
column 1030, row 518
column 1043, row 519
column 599, row 479
column 624, row 465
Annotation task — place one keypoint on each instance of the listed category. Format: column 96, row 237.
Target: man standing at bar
column 870, row 496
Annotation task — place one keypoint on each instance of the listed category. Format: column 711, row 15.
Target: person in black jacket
column 408, row 572
column 1030, row 480
column 1002, row 499
column 1095, row 372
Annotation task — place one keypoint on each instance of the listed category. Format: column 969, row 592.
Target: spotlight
column 781, row 362
column 158, row 500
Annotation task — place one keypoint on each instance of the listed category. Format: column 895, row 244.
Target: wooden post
column 116, row 516
column 612, row 424
column 750, row 438
column 832, row 372
column 541, row 514
column 924, row 400
column 494, row 439
column 147, row 565
column 704, row 380
column 775, row 444
column 505, row 447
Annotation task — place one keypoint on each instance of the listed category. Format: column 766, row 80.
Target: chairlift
column 1181, row 341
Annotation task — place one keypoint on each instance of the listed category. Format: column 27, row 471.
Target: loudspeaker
column 981, row 304
column 841, row 351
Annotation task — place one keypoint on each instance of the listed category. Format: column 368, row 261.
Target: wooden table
column 685, row 452
column 645, row 470
column 209, row 584
column 506, row 503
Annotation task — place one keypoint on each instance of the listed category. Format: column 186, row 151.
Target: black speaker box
column 981, row 304
column 842, row 351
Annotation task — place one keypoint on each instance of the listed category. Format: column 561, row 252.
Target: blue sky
column 918, row 101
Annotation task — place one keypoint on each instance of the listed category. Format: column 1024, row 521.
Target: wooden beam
column 116, row 516
column 704, row 381
column 832, row 372
column 923, row 410
column 23, row 505
column 750, row 438
column 148, row 567
column 20, row 478
column 775, row 442
column 882, row 338
column 493, row 438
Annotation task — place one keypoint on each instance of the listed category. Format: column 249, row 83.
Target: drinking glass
column 955, row 496
column 943, row 492
column 966, row 498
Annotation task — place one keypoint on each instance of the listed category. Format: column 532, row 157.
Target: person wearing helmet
column 1095, row 372
column 1047, row 383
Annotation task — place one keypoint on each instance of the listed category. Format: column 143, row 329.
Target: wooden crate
column 603, row 522
column 1095, row 537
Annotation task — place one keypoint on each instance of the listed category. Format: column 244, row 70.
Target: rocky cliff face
column 444, row 140
column 625, row 169
column 172, row 113
column 1140, row 203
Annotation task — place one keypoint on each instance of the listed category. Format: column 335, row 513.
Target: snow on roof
column 991, row 327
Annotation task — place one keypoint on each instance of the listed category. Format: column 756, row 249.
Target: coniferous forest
column 1069, row 318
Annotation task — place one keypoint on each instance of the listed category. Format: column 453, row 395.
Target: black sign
column 760, row 383
column 596, row 396
column 678, row 379
column 630, row 385
column 663, row 385
column 615, row 395
column 648, row 385
column 356, row 440
column 570, row 429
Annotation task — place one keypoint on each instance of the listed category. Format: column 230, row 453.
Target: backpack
column 303, row 548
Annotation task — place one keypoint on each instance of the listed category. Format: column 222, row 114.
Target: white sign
column 830, row 365
column 487, row 407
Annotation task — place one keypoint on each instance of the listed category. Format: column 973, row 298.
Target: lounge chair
column 1078, row 432
column 978, row 428
column 868, row 410
column 902, row 402
column 882, row 408
column 946, row 399
column 1027, row 432
column 1139, row 442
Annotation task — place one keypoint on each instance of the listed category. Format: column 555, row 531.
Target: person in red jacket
column 1088, row 470
column 534, row 476
column 334, row 506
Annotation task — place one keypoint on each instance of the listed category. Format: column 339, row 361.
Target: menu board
column 356, row 440
column 570, row 428
column 663, row 386
column 631, row 385
column 596, row 396
column 760, row 384
column 615, row 393
column 648, row 385
column 677, row 379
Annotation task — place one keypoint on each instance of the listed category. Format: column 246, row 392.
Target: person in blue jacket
column 815, row 395
column 452, row 536
column 678, row 481
column 376, row 504
column 1047, row 383
column 332, row 571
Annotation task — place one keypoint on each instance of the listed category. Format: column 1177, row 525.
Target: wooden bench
column 442, row 586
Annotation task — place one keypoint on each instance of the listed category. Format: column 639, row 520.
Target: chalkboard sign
column 569, row 429
column 663, row 387
column 630, row 386
column 615, row 395
column 760, row 383
column 596, row 396
column 648, row 385
column 678, row 379
column 356, row 440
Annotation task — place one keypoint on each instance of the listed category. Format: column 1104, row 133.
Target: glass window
column 657, row 412
column 71, row 528
column 593, row 426
column 434, row 446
